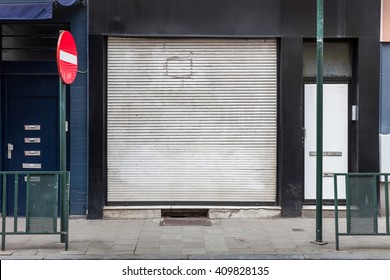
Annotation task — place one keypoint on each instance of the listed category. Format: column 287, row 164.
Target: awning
column 67, row 2
column 32, row 10
column 26, row 11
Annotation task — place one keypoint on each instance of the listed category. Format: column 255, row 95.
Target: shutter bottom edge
column 186, row 204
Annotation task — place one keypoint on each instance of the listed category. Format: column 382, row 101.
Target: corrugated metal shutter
column 192, row 120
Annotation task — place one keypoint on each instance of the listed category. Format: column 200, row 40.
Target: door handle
column 10, row 149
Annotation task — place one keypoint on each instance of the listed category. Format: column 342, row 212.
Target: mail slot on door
column 32, row 165
column 327, row 154
column 32, row 140
column 32, row 153
column 32, row 127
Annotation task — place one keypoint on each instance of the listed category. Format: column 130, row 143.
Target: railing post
column 27, row 202
column 4, row 212
column 16, row 199
column 376, row 179
column 336, row 212
column 347, row 202
column 387, row 203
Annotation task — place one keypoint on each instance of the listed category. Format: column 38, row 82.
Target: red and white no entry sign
column 67, row 57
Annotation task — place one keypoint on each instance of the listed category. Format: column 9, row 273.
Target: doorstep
column 214, row 212
column 309, row 211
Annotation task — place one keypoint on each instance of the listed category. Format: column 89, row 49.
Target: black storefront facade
column 151, row 86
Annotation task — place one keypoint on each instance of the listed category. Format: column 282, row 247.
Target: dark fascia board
column 270, row 18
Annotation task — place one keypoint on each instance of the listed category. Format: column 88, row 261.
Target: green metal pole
column 66, row 207
column 62, row 118
column 62, row 135
column 320, row 86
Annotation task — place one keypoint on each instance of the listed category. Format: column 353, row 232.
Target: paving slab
column 263, row 238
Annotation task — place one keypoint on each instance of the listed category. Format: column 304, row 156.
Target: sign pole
column 62, row 136
column 319, row 152
column 67, row 69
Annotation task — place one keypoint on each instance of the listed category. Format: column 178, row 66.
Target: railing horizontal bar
column 361, row 174
column 33, row 233
column 364, row 234
column 32, row 172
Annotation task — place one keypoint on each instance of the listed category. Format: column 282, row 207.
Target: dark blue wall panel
column 78, row 118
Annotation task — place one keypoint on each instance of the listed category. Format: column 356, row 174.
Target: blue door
column 31, row 128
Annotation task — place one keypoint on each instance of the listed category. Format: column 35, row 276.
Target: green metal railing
column 47, row 199
column 361, row 202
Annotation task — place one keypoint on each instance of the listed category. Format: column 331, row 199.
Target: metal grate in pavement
column 185, row 221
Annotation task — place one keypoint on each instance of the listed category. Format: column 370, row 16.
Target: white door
column 335, row 138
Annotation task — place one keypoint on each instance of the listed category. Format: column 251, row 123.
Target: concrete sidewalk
column 240, row 238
